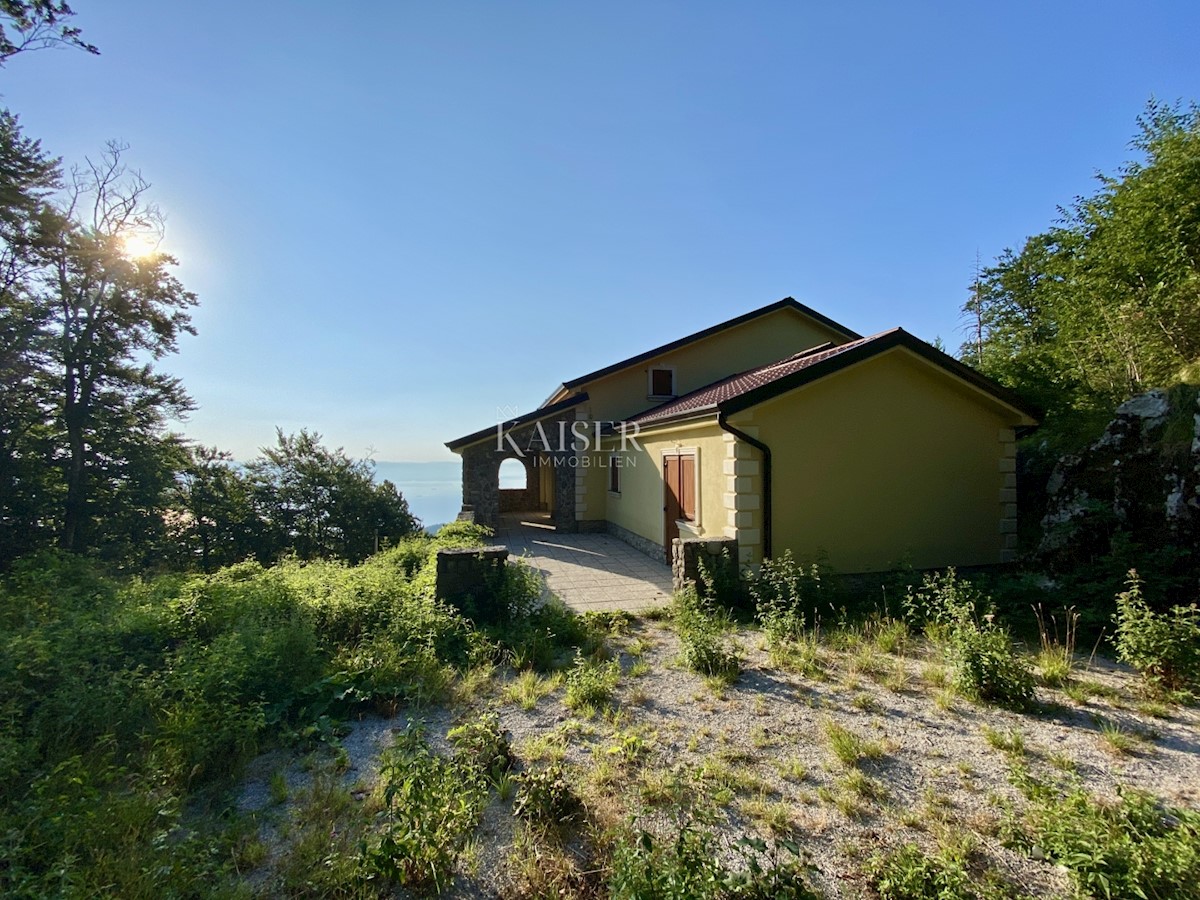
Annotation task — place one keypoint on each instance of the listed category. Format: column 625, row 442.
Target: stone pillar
column 1008, row 495
column 472, row 580
column 481, row 483
column 720, row 558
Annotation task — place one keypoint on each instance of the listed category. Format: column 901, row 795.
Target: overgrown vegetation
column 950, row 872
column 130, row 706
column 1128, row 847
column 986, row 665
column 431, row 805
column 689, row 867
column 1164, row 647
column 703, row 630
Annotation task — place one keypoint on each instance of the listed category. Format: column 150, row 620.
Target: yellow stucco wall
column 639, row 505
column 757, row 342
column 888, row 460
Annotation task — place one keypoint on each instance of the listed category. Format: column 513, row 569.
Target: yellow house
column 781, row 429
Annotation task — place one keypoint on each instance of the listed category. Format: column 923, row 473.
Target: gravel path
column 757, row 751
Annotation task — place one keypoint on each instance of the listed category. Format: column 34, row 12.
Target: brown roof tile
column 755, row 385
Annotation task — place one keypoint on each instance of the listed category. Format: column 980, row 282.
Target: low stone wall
column 636, row 541
column 518, row 500
column 471, row 580
column 719, row 556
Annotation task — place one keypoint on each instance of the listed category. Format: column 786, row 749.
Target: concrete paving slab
column 587, row 571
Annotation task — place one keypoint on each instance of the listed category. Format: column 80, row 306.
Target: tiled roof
column 707, row 398
column 785, row 303
column 756, row 385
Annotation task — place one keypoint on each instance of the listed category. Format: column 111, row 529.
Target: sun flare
column 140, row 244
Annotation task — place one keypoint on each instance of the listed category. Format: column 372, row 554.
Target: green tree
column 36, row 24
column 320, row 503
column 27, row 478
column 109, row 316
column 213, row 522
column 1107, row 302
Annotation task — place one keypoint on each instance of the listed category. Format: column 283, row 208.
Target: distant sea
column 433, row 489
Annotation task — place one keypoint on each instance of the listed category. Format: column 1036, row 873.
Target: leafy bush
column 1131, row 847
column 691, row 868
column 1165, row 648
column 482, row 746
column 944, row 601
column 908, row 873
column 431, row 806
column 547, row 637
column 590, row 683
column 989, row 668
column 782, row 590
column 685, row 869
column 462, row 534
column 702, row 632
column 545, row 799
column 986, row 665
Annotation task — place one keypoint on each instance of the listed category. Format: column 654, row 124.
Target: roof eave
column 537, row 414
column 682, row 418
column 871, row 348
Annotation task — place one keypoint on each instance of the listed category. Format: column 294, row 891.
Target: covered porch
column 542, row 443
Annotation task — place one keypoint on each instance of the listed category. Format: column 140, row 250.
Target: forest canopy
column 1106, row 303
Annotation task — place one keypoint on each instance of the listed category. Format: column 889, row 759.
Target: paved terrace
column 586, row 571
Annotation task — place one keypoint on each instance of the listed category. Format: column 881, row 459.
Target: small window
column 662, row 382
column 614, row 473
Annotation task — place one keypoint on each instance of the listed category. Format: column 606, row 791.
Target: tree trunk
column 76, row 406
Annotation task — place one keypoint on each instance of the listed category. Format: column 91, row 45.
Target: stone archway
column 525, row 498
column 481, row 472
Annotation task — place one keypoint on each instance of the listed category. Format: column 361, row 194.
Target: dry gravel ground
column 756, row 754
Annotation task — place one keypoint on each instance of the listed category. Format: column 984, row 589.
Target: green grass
column 1011, row 742
column 865, row 703
column 278, row 788
column 1118, row 740
column 529, row 687
column 590, row 684
column 850, row 748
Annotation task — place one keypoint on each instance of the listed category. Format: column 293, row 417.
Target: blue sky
column 401, row 218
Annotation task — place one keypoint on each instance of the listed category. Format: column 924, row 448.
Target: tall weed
column 1164, row 647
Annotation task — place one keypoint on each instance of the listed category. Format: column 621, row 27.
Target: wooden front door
column 679, row 496
column 671, row 508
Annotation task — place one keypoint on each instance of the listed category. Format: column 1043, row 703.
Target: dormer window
column 662, row 383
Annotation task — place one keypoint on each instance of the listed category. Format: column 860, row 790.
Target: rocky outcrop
column 1142, row 477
